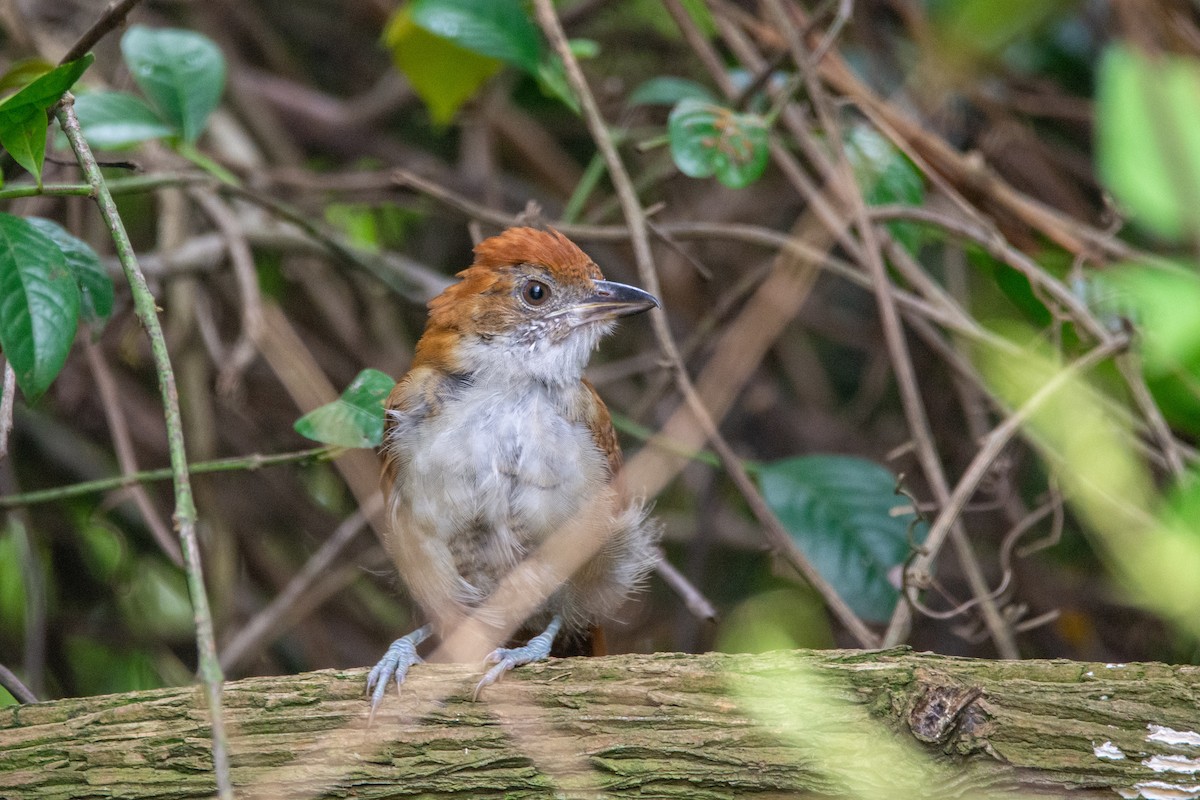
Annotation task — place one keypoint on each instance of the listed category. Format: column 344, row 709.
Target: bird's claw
column 508, row 658
column 394, row 665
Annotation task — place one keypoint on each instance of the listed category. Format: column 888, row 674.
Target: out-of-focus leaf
column 441, row 72
column 885, row 175
column 356, row 418
column 114, row 120
column 157, row 600
column 99, row 668
column 667, row 90
column 1148, row 137
column 1164, row 303
column 23, row 116
column 95, row 286
column 708, row 139
column 779, row 619
column 499, row 29
column 839, row 511
column 181, row 71
column 39, row 304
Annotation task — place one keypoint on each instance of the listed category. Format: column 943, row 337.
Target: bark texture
column 831, row 723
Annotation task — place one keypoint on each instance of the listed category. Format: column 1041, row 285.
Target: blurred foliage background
column 1029, row 169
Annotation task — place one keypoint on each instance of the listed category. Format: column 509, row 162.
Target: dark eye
column 535, row 293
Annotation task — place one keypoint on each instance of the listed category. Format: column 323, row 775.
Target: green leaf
column 498, row 29
column 95, row 285
column 839, row 512
column 356, row 418
column 182, row 72
column 115, row 120
column 708, row 139
column 443, row 74
column 24, row 72
column 1148, row 137
column 885, row 175
column 23, row 116
column 1163, row 302
column 39, row 304
column 667, row 90
column 552, row 78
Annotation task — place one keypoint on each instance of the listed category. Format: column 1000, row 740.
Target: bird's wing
column 599, row 421
column 419, row 395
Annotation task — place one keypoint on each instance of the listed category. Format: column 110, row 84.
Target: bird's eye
column 535, row 293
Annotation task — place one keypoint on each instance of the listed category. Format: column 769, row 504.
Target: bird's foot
column 394, row 665
column 507, row 658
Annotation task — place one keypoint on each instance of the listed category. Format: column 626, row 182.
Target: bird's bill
column 611, row 300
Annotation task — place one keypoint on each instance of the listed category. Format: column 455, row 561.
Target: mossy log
column 830, row 723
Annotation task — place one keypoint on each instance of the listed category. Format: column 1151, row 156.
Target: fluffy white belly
column 502, row 467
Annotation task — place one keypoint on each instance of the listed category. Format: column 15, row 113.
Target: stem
column 185, row 508
column 251, row 462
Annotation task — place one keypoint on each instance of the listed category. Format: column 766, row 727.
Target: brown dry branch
column 891, row 723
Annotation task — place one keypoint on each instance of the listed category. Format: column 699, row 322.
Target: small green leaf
column 443, row 74
column 498, row 29
column 23, row 116
column 39, row 304
column 356, row 418
column 708, row 139
column 23, row 72
column 1148, row 137
column 95, row 285
column 1163, row 301
column 667, row 90
column 839, row 511
column 552, row 78
column 182, row 72
column 583, row 48
column 885, row 175
column 115, row 120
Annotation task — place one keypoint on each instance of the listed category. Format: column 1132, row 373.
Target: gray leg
column 394, row 665
column 506, row 658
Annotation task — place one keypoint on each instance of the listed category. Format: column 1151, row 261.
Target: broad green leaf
column 1164, row 303
column 95, row 285
column 23, row 72
column 443, row 74
column 115, row 120
column 552, row 78
column 1148, row 137
column 839, row 511
column 499, row 29
column 708, row 139
column 667, row 90
column 885, row 175
column 356, row 418
column 182, row 72
column 23, row 116
column 39, row 304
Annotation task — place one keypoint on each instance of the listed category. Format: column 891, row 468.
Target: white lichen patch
column 1164, row 735
column 1114, row 666
column 1188, row 766
column 1108, row 750
column 1161, row 790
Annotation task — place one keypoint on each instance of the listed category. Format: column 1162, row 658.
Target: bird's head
column 533, row 305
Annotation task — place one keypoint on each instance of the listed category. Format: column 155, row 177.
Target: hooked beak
column 611, row 300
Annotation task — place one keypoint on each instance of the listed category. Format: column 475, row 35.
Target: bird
column 494, row 441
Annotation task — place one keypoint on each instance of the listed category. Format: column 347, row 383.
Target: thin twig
column 313, row 455
column 635, row 219
column 185, row 509
column 6, row 407
column 695, row 601
column 10, row 681
column 118, row 428
column 919, row 569
column 271, row 620
column 113, row 16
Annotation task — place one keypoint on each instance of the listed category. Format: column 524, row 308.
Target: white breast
column 492, row 475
